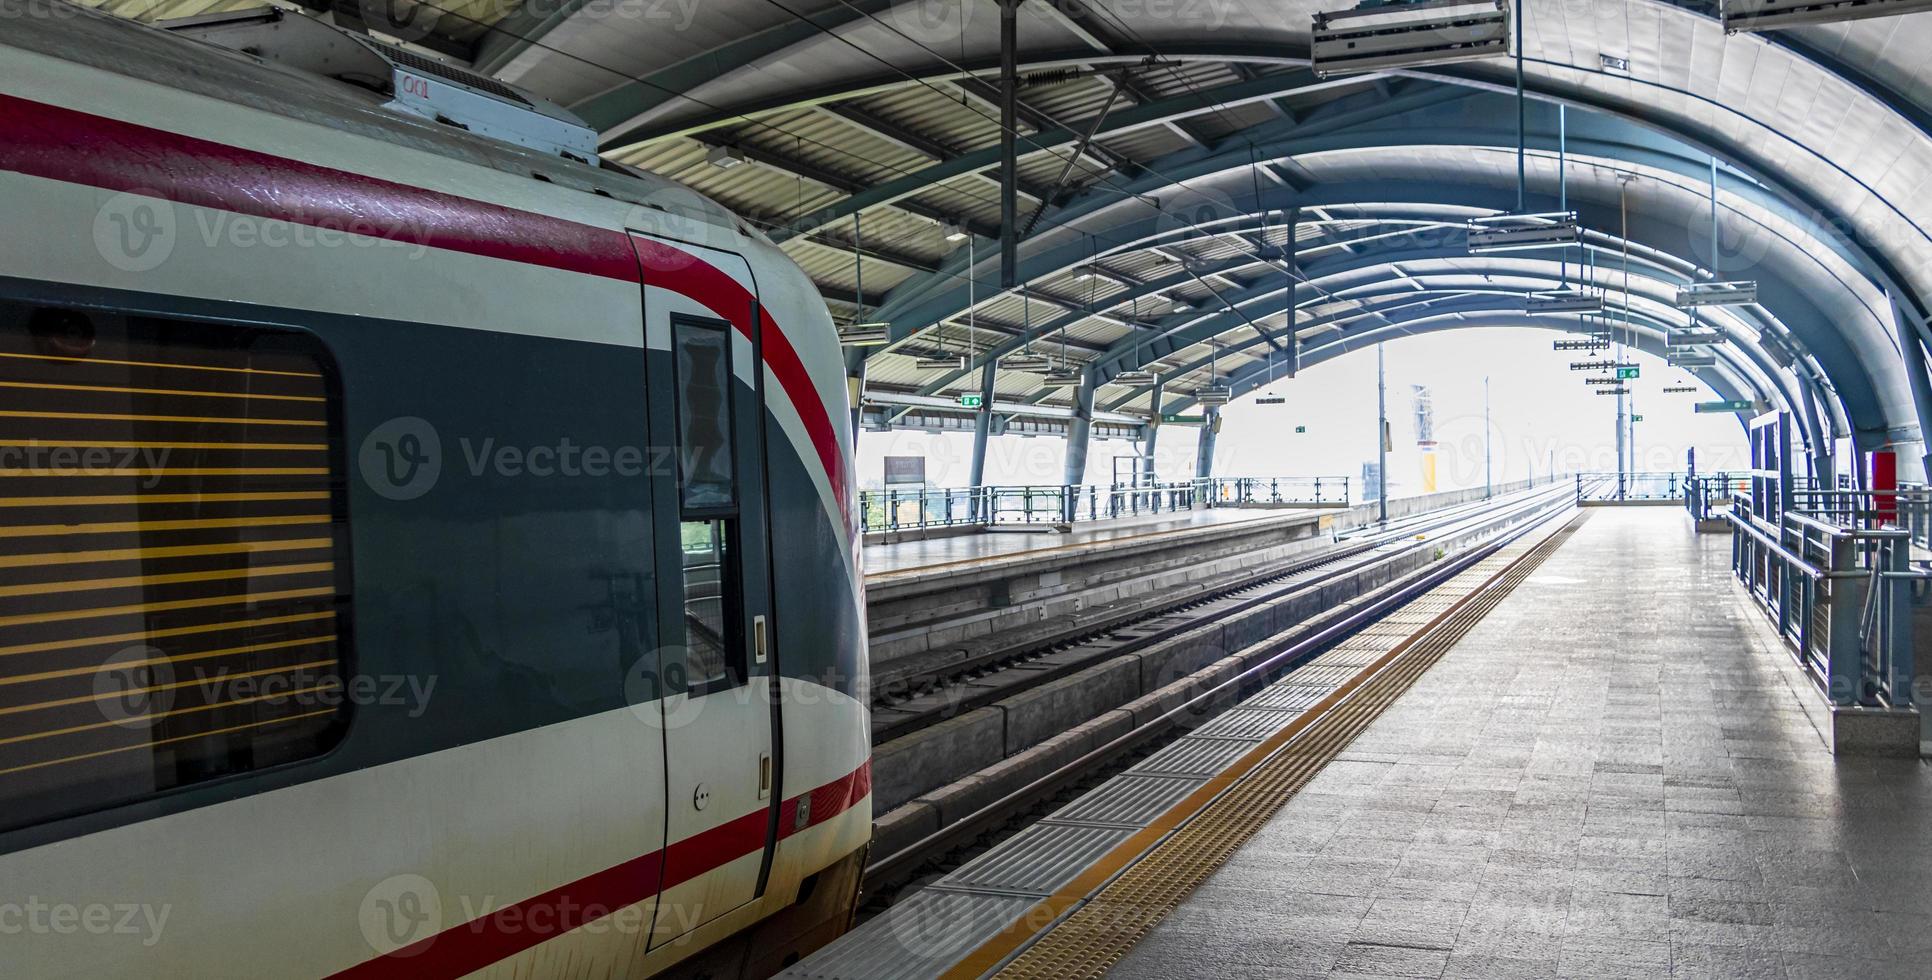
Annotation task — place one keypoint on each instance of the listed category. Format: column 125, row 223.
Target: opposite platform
column 889, row 560
column 1614, row 774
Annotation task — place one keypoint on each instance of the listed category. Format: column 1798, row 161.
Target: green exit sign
column 1636, row 418
column 1730, row 406
column 971, row 401
column 1183, row 419
column 1300, row 429
column 1626, row 373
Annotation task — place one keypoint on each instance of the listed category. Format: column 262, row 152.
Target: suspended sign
column 971, row 401
column 1626, row 373
column 1272, row 400
column 1183, row 419
column 905, row 470
column 1739, row 405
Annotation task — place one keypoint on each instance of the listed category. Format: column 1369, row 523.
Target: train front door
column 719, row 713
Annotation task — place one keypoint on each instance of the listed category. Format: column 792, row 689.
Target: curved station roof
column 1194, row 201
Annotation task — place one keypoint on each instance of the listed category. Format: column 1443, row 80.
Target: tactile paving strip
column 1096, row 927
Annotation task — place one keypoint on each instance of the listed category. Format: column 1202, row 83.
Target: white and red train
column 422, row 553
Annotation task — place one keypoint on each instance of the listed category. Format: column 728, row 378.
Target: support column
column 1204, row 451
column 1079, row 435
column 1009, row 158
column 1381, row 439
column 1288, row 295
column 982, row 431
column 1915, row 372
column 855, row 388
column 1153, row 424
column 1815, row 434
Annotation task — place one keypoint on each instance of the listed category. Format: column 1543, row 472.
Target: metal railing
column 1706, row 496
column 912, row 508
column 1608, row 485
column 1842, row 594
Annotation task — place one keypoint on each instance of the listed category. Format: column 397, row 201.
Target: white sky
column 1539, row 410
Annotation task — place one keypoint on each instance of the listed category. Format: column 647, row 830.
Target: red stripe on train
column 469, row 947
column 63, row 144
column 81, row 148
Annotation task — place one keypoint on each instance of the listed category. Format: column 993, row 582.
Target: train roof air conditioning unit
column 865, row 334
column 941, row 362
column 1769, row 15
column 1030, row 363
column 1214, row 395
column 1133, row 378
column 1563, row 301
column 1376, row 36
column 1062, row 378
column 1522, row 233
column 1692, row 295
column 414, row 84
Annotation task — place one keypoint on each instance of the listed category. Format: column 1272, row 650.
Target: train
column 426, row 549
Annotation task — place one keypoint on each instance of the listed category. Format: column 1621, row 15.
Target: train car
column 425, row 550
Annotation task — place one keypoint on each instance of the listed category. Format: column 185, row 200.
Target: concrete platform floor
column 883, row 559
column 1611, row 776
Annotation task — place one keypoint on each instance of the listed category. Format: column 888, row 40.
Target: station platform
column 1585, row 756
column 886, row 562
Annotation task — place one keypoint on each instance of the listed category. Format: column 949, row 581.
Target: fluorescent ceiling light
column 1135, row 378
column 1031, row 363
column 1380, row 36
column 1489, row 238
column 1563, row 301
column 1697, row 294
column 725, row 157
column 865, row 334
column 1768, row 15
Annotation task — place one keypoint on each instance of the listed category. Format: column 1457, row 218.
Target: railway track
column 889, row 874
column 926, row 698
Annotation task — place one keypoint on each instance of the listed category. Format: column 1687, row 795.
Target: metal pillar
column 1381, row 439
column 1154, row 423
column 855, row 389
column 1921, row 383
column 1204, row 451
column 1009, row 159
column 982, row 431
column 1489, row 483
column 1079, row 433
column 1288, row 295
column 1815, row 434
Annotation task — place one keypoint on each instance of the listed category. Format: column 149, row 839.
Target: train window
column 170, row 532
column 703, row 364
column 712, row 659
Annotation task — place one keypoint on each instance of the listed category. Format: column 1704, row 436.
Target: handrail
column 1748, row 524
